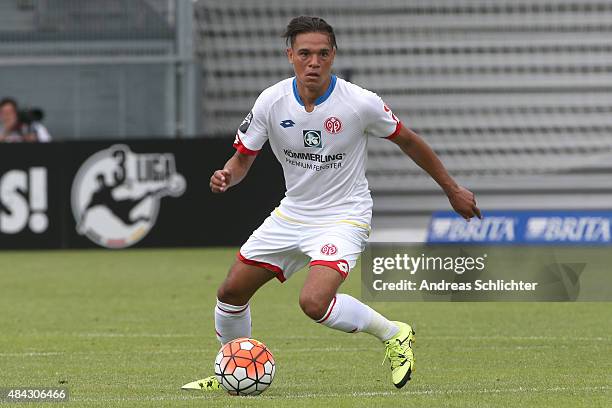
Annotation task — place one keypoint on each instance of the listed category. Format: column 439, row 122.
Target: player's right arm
column 252, row 134
column 232, row 173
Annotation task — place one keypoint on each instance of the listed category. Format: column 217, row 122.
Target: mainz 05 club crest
column 116, row 194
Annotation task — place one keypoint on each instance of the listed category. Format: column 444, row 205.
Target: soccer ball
column 245, row 367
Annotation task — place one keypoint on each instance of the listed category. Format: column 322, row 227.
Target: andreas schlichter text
column 478, row 285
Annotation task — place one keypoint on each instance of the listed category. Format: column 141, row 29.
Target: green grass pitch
column 128, row 328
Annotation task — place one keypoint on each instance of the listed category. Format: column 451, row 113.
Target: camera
column 27, row 116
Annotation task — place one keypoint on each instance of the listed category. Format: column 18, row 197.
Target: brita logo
column 116, row 194
column 489, row 229
column 568, row 229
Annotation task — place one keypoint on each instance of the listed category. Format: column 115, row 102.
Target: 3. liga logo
column 333, row 125
column 116, row 194
column 329, row 249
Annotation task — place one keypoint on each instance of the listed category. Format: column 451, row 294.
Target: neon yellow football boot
column 205, row 384
column 400, row 355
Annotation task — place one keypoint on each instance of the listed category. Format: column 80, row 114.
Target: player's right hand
column 220, row 181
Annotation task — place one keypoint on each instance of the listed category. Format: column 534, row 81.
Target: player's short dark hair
column 308, row 24
column 9, row 101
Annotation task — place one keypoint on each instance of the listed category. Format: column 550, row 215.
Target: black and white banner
column 121, row 195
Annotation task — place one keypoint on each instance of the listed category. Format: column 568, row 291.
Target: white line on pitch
column 32, row 354
column 352, row 338
column 362, row 394
column 527, row 338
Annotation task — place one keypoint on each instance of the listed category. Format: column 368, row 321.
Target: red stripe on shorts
column 340, row 266
column 272, row 268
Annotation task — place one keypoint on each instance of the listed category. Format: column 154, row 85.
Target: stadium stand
column 78, row 19
column 116, row 18
column 16, row 16
column 515, row 96
column 114, row 65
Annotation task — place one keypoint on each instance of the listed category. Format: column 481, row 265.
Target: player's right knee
column 232, row 295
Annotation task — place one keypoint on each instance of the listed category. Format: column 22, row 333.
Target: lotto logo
column 329, row 249
column 333, row 125
column 287, row 123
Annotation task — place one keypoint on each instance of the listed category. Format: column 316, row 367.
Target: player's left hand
column 464, row 203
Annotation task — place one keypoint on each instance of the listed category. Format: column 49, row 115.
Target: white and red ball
column 245, row 367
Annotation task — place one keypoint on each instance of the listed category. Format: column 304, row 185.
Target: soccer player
column 317, row 125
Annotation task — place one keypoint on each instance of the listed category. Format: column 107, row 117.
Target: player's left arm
column 461, row 199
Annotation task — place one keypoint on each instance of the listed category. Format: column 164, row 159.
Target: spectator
column 10, row 128
column 18, row 126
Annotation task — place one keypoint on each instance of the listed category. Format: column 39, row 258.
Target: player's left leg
column 320, row 301
column 339, row 311
column 334, row 252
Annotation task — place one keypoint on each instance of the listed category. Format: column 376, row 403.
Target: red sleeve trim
column 242, row 149
column 340, row 266
column 272, row 268
column 396, row 132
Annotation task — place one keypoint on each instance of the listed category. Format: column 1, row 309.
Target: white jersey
column 324, row 152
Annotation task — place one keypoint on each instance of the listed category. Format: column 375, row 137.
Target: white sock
column 347, row 314
column 232, row 322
